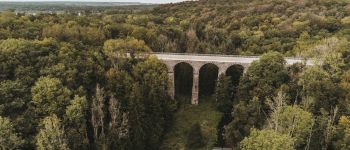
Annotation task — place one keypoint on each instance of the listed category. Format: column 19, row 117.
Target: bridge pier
column 171, row 84
column 222, row 69
column 195, row 87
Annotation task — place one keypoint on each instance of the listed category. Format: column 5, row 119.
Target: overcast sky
column 143, row 1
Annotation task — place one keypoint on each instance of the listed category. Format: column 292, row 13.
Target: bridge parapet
column 195, row 54
column 221, row 55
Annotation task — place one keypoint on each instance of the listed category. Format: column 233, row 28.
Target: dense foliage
column 252, row 26
column 207, row 26
column 195, row 138
column 58, row 95
column 88, row 82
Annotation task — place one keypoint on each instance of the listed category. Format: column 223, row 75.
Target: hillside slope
column 255, row 26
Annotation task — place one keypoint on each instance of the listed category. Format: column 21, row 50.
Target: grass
column 187, row 115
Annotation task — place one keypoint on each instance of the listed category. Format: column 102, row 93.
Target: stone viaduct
column 197, row 61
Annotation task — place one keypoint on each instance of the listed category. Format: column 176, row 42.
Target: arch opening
column 235, row 72
column 183, row 75
column 208, row 75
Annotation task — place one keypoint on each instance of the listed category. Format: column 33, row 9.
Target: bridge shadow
column 183, row 80
column 236, row 73
column 208, row 75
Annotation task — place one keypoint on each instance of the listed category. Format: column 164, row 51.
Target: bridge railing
column 221, row 55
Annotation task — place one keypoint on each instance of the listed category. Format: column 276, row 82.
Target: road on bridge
column 220, row 58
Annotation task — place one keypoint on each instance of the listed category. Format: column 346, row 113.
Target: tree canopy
column 85, row 78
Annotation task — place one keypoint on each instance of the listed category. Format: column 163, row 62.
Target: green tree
column 195, row 138
column 345, row 88
column 224, row 94
column 75, row 123
column 342, row 141
column 317, row 83
column 137, row 116
column 49, row 96
column 263, row 77
column 51, row 135
column 8, row 137
column 246, row 115
column 119, row 82
column 261, row 81
column 120, row 49
column 17, row 60
column 290, row 120
column 153, row 79
column 293, row 121
column 193, row 43
column 325, row 129
column 13, row 98
column 74, row 66
column 267, row 139
column 292, row 89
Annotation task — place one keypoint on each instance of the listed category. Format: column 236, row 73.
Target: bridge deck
column 219, row 58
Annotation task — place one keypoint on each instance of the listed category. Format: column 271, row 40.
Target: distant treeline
column 73, row 6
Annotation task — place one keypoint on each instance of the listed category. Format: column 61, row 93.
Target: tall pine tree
column 137, row 118
column 224, row 93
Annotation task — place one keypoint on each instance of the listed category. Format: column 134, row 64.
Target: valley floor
column 205, row 114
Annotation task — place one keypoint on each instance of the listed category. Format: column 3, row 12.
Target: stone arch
column 208, row 75
column 183, row 79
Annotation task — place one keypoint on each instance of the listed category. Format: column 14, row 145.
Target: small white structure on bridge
column 223, row 62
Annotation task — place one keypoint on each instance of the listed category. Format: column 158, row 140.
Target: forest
column 66, row 81
column 59, row 7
